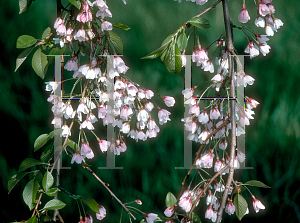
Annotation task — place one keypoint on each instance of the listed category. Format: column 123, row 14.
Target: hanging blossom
column 124, row 104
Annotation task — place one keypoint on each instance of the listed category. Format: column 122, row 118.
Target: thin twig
column 206, row 10
column 204, row 190
column 197, row 155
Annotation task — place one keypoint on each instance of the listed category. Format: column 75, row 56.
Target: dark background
column 272, row 140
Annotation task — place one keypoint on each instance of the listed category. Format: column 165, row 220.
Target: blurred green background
column 272, row 140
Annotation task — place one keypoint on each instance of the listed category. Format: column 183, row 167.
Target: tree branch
column 197, row 155
column 230, row 48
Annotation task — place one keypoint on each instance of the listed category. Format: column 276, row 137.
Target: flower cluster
column 109, row 95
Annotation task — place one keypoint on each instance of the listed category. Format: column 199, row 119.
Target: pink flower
column 80, row 35
column 102, row 212
column 260, row 22
column 61, row 29
column 57, row 22
column 252, row 49
column 77, row 158
column 210, row 199
column 214, row 113
column 203, row 117
column 263, row 9
column 241, row 156
column 103, row 144
column 169, row 101
column 187, row 93
column 143, row 115
column 87, row 124
column 86, row 151
column 163, row 116
column 72, row 65
column 126, row 111
column 151, row 217
column 244, row 15
column 210, row 214
column 244, row 121
column 138, row 202
column 148, row 93
column 230, row 208
column 185, row 203
column 202, row 137
column 251, row 103
column 257, row 205
column 106, row 26
column 89, row 218
column 169, row 211
column 195, row 109
column 205, row 161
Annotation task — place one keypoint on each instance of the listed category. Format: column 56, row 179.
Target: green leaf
column 48, row 181
column 121, row 26
column 73, row 145
column 240, row 206
column 182, row 42
column 169, row 58
column 22, row 57
column 160, row 50
column 32, row 220
column 47, row 154
column 155, row 53
column 199, row 22
column 54, row 132
column 195, row 218
column 116, row 41
column 91, row 203
column 25, row 41
column 24, row 4
column 29, row 162
column 256, row 183
column 46, row 33
column 178, row 60
column 39, row 63
column 52, row 192
column 76, row 3
column 14, row 180
column 54, row 204
column 170, row 199
column 40, row 141
column 168, row 39
column 29, row 193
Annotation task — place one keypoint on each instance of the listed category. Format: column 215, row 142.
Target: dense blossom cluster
column 131, row 108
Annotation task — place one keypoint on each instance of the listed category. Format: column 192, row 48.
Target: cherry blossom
column 244, row 15
column 102, row 212
column 257, row 205
column 230, row 208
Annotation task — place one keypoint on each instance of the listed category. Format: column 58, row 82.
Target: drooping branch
column 230, row 49
column 198, row 153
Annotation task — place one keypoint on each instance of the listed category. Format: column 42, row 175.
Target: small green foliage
column 91, row 203
column 22, row 57
column 29, row 162
column 24, row 4
column 240, row 206
column 25, row 41
column 54, row 204
column 32, row 220
column 170, row 200
column 40, row 141
column 256, row 183
column 48, row 181
column 116, row 41
column 29, row 193
column 76, row 3
column 121, row 26
column 199, row 22
column 14, row 180
column 182, row 42
column 39, row 63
